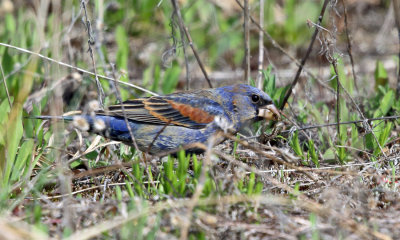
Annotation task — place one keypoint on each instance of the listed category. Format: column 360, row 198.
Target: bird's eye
column 255, row 98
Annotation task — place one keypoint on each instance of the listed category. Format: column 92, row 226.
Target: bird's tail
column 65, row 118
column 111, row 127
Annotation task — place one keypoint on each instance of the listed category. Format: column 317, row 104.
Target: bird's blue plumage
column 163, row 124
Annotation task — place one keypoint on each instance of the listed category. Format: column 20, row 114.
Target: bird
column 165, row 124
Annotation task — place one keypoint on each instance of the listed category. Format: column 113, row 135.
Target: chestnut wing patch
column 195, row 114
column 160, row 110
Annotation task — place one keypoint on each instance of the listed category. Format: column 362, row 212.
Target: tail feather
column 65, row 118
column 114, row 128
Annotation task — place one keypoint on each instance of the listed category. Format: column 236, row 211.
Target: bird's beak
column 269, row 112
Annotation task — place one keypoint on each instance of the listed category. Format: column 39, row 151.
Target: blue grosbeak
column 164, row 124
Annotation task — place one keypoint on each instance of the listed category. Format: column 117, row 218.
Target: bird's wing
column 179, row 110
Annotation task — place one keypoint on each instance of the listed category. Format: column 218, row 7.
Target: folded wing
column 179, row 110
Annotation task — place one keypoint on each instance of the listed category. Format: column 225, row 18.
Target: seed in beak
column 270, row 112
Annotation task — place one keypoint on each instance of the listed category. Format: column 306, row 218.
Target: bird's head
column 248, row 104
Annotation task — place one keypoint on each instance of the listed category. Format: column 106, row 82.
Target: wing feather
column 170, row 109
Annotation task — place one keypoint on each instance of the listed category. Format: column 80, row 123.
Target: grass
column 59, row 182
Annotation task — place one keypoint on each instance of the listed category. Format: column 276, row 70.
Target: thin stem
column 303, row 61
column 349, row 46
column 396, row 8
column 76, row 68
column 346, row 122
column 177, row 11
column 246, row 29
column 5, row 86
column 90, row 50
column 197, row 57
column 334, row 64
column 260, row 47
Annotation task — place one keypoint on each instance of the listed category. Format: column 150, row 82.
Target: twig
column 90, row 42
column 5, row 85
column 18, row 68
column 349, row 46
column 85, row 190
column 261, row 47
column 118, row 95
column 396, row 8
column 303, row 61
column 99, row 25
column 342, row 123
column 101, row 170
column 246, row 29
column 89, row 150
column 157, row 135
column 177, row 12
column 197, row 57
column 334, row 64
column 76, row 68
